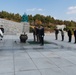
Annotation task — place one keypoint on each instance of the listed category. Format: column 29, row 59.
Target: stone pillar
column 26, row 27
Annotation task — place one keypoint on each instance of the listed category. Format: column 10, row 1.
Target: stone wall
column 12, row 27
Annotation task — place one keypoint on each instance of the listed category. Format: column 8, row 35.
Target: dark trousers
column 38, row 40
column 34, row 37
column 62, row 37
column 70, row 37
column 56, row 36
column 75, row 39
column 42, row 40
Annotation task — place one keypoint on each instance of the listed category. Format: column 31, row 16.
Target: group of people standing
column 62, row 34
column 38, row 33
column 69, row 33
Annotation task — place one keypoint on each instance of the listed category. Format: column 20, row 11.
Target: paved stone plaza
column 56, row 58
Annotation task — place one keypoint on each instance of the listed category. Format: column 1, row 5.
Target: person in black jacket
column 62, row 34
column 41, row 34
column 75, row 35
column 2, row 29
column 69, row 35
column 56, row 33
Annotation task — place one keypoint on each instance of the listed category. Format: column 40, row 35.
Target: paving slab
column 31, row 72
column 56, row 58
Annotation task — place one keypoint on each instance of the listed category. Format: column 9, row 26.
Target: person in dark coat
column 34, row 33
column 75, row 35
column 2, row 29
column 56, row 33
column 37, row 33
column 41, row 34
column 69, row 35
column 62, row 34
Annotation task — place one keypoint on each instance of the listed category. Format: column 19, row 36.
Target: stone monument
column 24, row 21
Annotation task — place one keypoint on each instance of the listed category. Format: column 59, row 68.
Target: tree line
column 10, row 16
column 47, row 21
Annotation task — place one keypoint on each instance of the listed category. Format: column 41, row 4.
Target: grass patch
column 32, row 42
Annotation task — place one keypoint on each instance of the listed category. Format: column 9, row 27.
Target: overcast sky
column 59, row 9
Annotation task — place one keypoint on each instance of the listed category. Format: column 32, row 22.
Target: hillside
column 48, row 22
